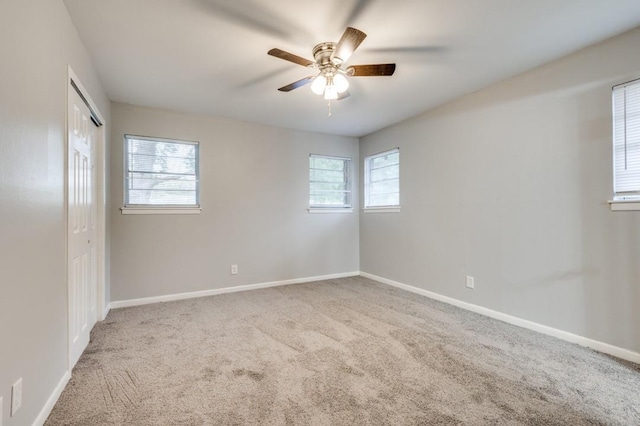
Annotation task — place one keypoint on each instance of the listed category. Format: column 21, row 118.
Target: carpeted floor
column 339, row 352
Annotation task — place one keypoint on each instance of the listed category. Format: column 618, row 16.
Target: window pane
column 386, row 187
column 161, row 172
column 382, row 179
column 385, row 200
column 326, row 175
column 327, row 163
column 158, row 182
column 626, row 143
column 385, row 173
column 336, row 200
column 385, row 160
column 161, row 197
column 329, row 183
column 319, row 187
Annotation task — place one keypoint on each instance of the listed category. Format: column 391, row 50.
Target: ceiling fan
column 330, row 59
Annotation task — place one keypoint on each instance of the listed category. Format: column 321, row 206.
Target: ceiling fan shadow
column 409, row 49
column 351, row 16
column 262, row 78
column 255, row 17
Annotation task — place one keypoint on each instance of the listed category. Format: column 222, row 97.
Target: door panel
column 81, row 226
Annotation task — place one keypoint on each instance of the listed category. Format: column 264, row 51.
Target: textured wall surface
column 37, row 43
column 510, row 185
column 254, row 183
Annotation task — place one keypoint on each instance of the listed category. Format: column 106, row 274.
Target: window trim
column 624, row 205
column 395, row 208
column 163, row 210
column 620, row 201
column 381, row 209
column 316, row 210
column 348, row 208
column 136, row 209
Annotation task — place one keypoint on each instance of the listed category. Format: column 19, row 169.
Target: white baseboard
column 106, row 311
column 53, row 398
column 215, row 291
column 550, row 331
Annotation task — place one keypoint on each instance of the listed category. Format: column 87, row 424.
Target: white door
column 81, row 226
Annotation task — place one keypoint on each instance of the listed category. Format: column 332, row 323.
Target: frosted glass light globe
column 318, row 85
column 341, row 83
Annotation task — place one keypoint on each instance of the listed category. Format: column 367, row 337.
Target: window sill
column 381, row 210
column 624, row 205
column 330, row 210
column 160, row 210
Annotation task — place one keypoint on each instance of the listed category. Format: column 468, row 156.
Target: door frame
column 102, row 307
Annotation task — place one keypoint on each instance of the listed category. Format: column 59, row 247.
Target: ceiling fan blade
column 371, row 70
column 349, row 42
column 296, row 84
column 290, row 57
column 343, row 95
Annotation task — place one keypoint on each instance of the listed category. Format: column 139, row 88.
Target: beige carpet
column 338, row 352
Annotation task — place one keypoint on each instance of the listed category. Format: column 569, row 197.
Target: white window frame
column 137, row 209
column 348, row 180
column 624, row 200
column 368, row 208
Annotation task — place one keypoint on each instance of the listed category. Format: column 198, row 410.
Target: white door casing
column 81, row 225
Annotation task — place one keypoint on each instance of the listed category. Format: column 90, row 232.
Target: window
column 329, row 182
column 626, row 141
column 382, row 179
column 160, row 173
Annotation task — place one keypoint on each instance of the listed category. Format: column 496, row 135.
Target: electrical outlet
column 234, row 269
column 16, row 396
column 470, row 283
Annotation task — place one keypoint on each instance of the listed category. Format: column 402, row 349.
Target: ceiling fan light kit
column 330, row 85
column 331, row 81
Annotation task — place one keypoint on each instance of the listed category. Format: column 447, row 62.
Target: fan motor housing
column 322, row 54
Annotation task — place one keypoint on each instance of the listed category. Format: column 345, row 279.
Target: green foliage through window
column 160, row 172
column 329, row 181
column 382, row 179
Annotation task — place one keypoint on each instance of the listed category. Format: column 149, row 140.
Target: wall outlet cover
column 470, row 282
column 234, row 269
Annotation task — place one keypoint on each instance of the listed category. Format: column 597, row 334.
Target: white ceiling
column 210, row 56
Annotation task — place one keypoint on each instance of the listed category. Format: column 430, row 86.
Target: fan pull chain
column 329, row 106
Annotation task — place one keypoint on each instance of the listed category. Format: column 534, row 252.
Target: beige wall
column 254, row 198
column 510, row 185
column 37, row 42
